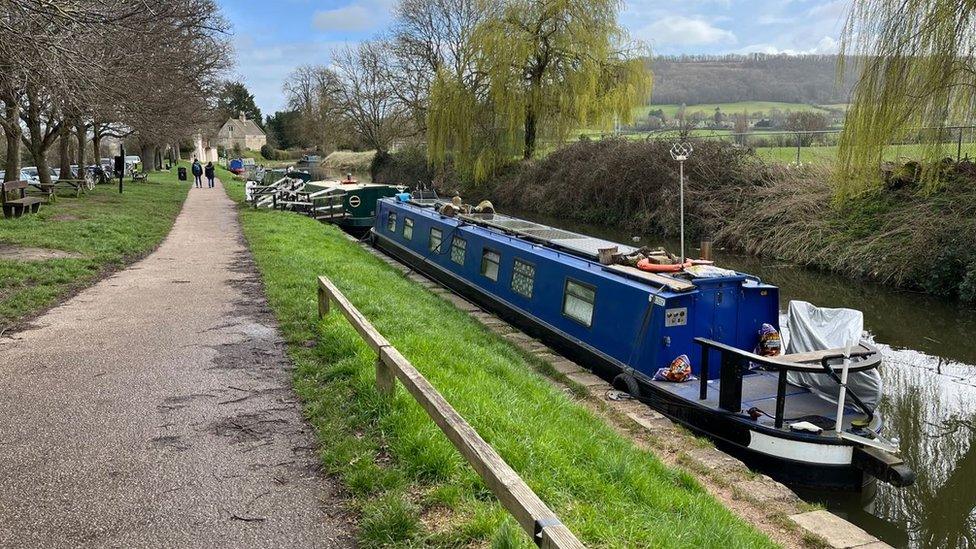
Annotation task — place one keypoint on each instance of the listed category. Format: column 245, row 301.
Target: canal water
column 929, row 401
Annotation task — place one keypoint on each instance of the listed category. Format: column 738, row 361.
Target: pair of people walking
column 199, row 170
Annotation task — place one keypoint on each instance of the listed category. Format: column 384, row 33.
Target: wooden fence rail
column 533, row 515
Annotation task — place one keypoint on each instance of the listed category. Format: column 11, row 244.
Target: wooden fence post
column 323, row 303
column 385, row 378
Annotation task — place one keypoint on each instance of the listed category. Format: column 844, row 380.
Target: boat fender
column 626, row 383
column 646, row 265
column 402, row 197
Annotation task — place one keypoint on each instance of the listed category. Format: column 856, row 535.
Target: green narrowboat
column 349, row 204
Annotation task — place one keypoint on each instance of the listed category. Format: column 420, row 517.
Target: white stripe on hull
column 808, row 452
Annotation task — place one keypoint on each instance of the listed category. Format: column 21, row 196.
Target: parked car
column 30, row 173
column 131, row 161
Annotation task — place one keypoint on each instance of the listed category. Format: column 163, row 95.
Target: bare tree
column 67, row 65
column 369, row 101
column 431, row 36
column 316, row 93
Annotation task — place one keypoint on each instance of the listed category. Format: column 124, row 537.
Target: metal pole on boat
column 842, row 396
column 681, row 152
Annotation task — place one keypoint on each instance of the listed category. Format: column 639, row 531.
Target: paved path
column 155, row 410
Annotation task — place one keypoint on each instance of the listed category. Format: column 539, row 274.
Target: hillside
column 693, row 80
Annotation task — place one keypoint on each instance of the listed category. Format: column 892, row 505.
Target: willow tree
column 549, row 68
column 918, row 70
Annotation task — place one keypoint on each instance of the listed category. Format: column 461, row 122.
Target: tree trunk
column 530, row 131
column 81, row 134
column 12, row 166
column 40, row 160
column 148, row 157
column 64, row 157
column 177, row 154
column 97, row 144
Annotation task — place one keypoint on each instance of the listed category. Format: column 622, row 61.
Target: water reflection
column 929, row 397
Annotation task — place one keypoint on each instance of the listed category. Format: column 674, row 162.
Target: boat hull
column 772, row 452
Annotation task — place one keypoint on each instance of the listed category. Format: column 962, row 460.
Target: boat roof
column 567, row 244
column 587, row 246
column 668, row 285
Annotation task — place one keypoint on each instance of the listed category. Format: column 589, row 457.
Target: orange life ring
column 646, row 265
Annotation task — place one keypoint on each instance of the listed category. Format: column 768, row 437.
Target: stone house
column 242, row 133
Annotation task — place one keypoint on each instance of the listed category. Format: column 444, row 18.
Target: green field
column 708, row 109
column 102, row 230
column 829, row 153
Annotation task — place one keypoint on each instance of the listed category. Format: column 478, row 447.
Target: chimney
column 243, row 117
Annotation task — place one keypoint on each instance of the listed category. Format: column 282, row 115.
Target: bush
column 408, row 166
column 270, row 153
column 632, row 184
column 967, row 289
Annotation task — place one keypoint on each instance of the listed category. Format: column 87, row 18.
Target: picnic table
column 78, row 185
column 49, row 190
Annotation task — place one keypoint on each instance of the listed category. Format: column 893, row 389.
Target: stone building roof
column 239, row 126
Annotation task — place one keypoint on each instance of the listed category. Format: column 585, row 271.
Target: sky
column 272, row 38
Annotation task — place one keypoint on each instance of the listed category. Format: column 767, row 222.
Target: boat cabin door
column 716, row 314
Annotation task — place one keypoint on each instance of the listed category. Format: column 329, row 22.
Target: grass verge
column 104, row 231
column 409, row 486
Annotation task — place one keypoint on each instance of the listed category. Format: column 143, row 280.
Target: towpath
column 155, row 409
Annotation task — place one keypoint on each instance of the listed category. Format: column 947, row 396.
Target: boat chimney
column 606, row 255
column 706, row 248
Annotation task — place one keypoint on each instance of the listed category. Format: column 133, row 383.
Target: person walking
column 209, row 172
column 197, row 170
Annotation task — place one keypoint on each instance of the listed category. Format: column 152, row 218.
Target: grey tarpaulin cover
column 810, row 328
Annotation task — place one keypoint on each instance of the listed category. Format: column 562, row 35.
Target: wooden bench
column 18, row 206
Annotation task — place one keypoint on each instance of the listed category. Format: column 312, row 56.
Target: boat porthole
column 354, row 201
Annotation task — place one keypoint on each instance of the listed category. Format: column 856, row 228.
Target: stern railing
column 735, row 362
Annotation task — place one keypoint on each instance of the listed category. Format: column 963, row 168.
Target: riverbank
column 72, row 243
column 408, row 485
column 898, row 236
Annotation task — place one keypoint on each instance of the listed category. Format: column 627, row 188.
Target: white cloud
column 825, row 45
column 675, row 30
column 351, row 18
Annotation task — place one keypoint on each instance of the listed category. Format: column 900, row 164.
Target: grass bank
column 409, row 486
column 350, row 161
column 101, row 230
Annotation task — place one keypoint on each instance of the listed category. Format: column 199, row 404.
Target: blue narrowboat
column 626, row 324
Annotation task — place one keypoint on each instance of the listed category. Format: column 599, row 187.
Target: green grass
column 828, row 154
column 409, row 486
column 106, row 229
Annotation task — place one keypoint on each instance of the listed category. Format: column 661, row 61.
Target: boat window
column 391, row 223
column 489, row 263
column 523, row 278
column 458, row 248
column 407, row 228
column 435, row 240
column 578, row 301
